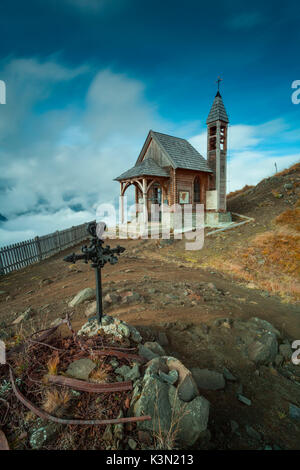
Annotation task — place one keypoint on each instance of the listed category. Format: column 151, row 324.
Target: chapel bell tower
column 217, row 126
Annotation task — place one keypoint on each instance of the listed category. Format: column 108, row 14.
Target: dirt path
column 186, row 303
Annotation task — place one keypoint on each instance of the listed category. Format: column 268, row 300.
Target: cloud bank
column 58, row 163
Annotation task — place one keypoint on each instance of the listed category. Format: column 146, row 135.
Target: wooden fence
column 19, row 255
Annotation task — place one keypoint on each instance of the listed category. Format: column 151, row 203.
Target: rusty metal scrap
column 88, row 386
column 113, row 352
column 47, row 416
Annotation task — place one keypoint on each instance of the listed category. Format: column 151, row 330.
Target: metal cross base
column 99, row 255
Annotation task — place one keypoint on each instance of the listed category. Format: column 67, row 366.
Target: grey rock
column 84, row 294
column 244, row 399
column 131, row 297
column 107, row 320
column 261, row 325
column 187, row 389
column 81, row 368
column 170, row 378
column 208, row 379
column 91, row 309
column 112, row 298
column 264, row 349
column 252, row 433
column 234, row 426
column 162, row 338
column 278, row 360
column 129, row 373
column 286, row 351
column 146, row 352
column 161, row 401
column 288, row 186
column 294, row 411
column 154, row 401
column 43, row 434
column 155, row 348
column 114, row 363
column 228, row 375
column 132, row 444
column 135, row 334
column 124, row 330
column 154, row 366
column 192, row 417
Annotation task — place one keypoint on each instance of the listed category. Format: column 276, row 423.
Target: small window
column 196, row 190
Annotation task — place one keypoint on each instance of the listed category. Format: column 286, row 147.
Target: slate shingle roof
column 218, row 111
column 147, row 167
column 181, row 153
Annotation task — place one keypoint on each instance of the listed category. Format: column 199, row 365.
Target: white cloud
column 64, row 157
column 250, row 167
column 27, row 226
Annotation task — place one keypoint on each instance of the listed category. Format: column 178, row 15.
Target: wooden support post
column 58, row 240
column 38, row 247
column 145, row 199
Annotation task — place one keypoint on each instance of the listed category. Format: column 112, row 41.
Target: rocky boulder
column 155, row 348
column 170, row 415
column 257, row 340
column 208, row 379
column 84, row 294
column 263, row 349
column 113, row 326
column 187, row 387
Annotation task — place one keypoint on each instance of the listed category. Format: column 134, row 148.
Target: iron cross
column 99, row 255
column 218, row 82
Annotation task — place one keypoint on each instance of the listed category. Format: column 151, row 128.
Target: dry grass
column 271, row 259
column 56, row 400
column 53, row 363
column 291, row 169
column 99, row 375
column 239, row 191
column 290, row 218
column 167, row 440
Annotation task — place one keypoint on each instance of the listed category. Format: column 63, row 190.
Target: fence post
column 38, row 246
column 1, row 266
column 58, row 240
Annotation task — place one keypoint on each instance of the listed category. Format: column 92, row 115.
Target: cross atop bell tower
column 217, row 125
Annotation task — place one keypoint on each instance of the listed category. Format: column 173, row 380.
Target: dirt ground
column 186, row 302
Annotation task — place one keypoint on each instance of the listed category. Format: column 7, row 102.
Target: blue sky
column 87, row 79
